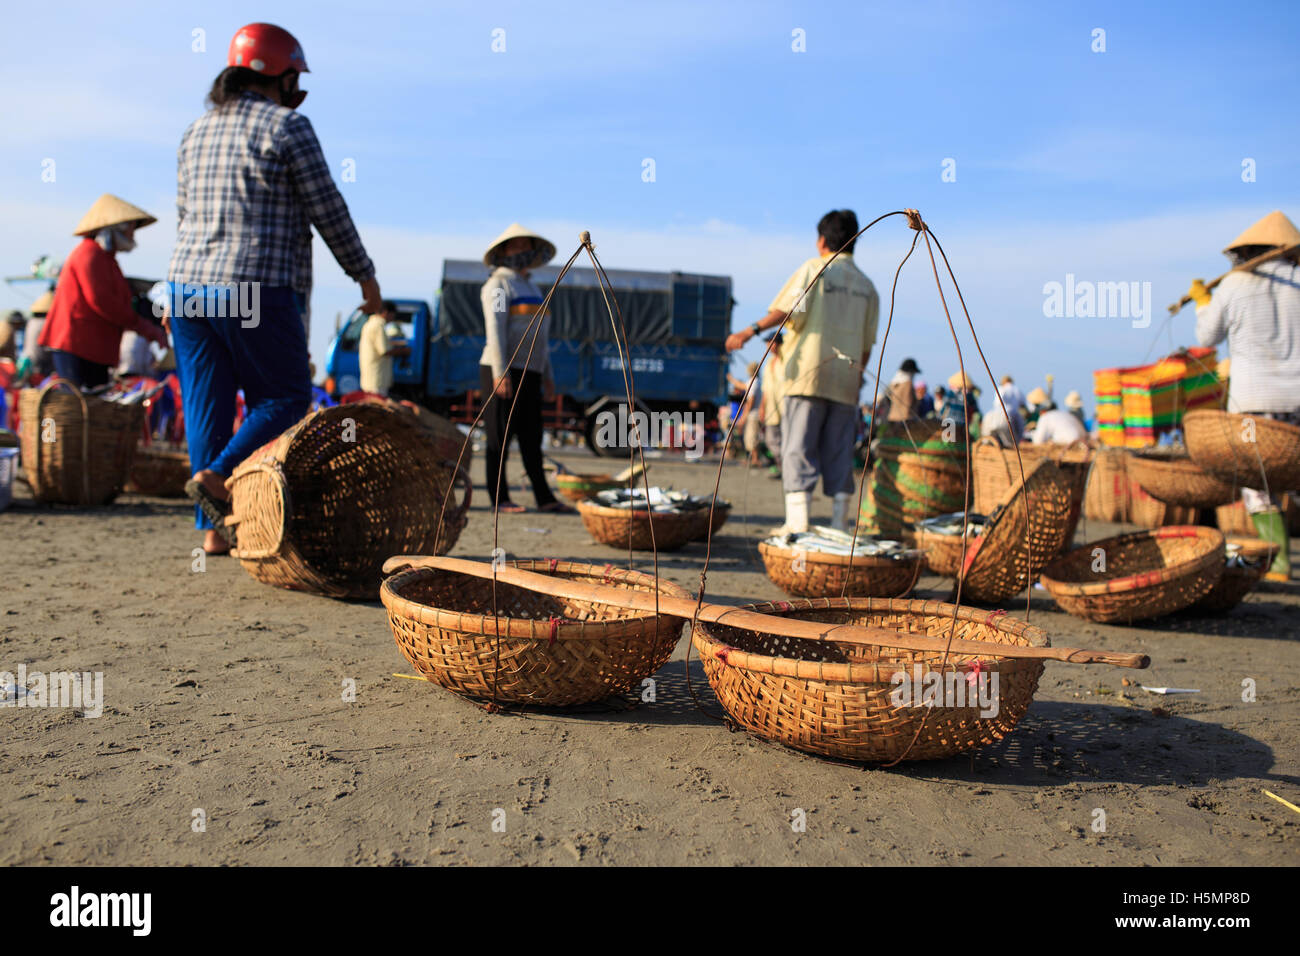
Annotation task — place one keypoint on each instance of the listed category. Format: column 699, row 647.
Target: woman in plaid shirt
column 251, row 183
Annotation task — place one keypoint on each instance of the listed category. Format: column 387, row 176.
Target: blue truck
column 676, row 325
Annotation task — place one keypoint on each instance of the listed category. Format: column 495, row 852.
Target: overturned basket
column 1245, row 450
column 77, row 449
column 551, row 651
column 630, row 527
column 841, row 699
column 321, row 507
column 1179, row 481
column 1240, row 579
column 805, row 573
column 160, row 470
column 1135, row 577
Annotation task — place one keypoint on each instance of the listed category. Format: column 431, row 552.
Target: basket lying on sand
column 321, row 507
column 77, row 449
column 706, row 525
column 1234, row 519
column 1239, row 576
column 842, row 700
column 1245, row 450
column 942, row 551
column 160, row 470
column 1177, row 480
column 1144, row 575
column 808, row 573
column 1112, row 494
column 917, row 475
column 999, row 564
column 551, row 651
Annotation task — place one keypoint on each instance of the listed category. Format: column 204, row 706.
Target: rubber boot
column 796, row 512
column 840, row 511
column 1272, row 529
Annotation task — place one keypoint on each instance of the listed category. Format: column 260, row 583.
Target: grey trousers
column 817, row 438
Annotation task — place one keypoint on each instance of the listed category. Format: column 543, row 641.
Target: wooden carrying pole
column 754, row 621
column 1279, row 253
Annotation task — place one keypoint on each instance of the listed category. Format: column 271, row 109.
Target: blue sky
column 1123, row 165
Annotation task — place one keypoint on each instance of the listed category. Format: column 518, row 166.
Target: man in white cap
column 1258, row 312
column 516, row 361
column 92, row 301
column 1074, row 404
column 828, row 339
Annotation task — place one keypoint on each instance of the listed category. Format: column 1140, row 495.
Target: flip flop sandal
column 216, row 510
column 557, row 508
column 510, row 508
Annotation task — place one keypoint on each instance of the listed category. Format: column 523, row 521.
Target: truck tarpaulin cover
column 657, row 307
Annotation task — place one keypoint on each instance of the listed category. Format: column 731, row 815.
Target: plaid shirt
column 251, row 182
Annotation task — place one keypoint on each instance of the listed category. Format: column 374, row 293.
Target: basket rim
column 1133, row 582
column 875, row 673
column 525, row 628
column 603, row 511
column 839, row 560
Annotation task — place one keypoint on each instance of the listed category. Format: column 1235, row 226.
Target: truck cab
column 343, row 363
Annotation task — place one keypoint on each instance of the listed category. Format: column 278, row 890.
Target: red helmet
column 266, row 48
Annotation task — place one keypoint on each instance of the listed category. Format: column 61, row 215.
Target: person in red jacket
column 92, row 302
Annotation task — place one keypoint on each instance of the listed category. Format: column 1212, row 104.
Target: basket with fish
column 821, row 675
column 581, row 487
column 1135, row 577
column 1246, row 559
column 538, row 648
column 939, row 539
column 621, row 518
column 825, row 562
column 1245, row 450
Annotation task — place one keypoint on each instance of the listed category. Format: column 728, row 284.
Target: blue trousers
column 218, row 353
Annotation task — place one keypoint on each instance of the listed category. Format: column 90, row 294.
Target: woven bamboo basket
column 321, row 507
column 1179, row 481
column 584, row 487
column 1113, row 495
column 630, row 527
column 1147, row 574
column 907, row 487
column 160, row 470
column 995, row 471
column 77, row 449
column 705, row 526
column 942, row 551
column 1002, row 561
column 835, row 699
column 811, row 574
column 551, row 651
column 1239, row 581
column 1245, row 450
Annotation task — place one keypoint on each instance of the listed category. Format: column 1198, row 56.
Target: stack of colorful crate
column 1110, row 412
column 1155, row 397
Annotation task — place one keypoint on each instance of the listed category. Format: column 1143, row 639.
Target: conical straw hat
column 958, row 380
column 545, row 248
column 111, row 211
column 1074, row 400
column 42, row 304
column 1275, row 229
column 1036, row 397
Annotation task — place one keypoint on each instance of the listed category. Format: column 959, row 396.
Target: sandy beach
column 224, row 705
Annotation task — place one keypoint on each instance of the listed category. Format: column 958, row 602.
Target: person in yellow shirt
column 827, row 342
column 377, row 350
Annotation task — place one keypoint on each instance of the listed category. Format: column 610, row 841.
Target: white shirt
column 1058, row 426
column 1013, row 396
column 1259, row 314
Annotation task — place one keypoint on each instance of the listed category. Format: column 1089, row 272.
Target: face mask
column 517, row 261
column 114, row 240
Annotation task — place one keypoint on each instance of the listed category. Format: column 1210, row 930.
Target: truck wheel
column 607, row 451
